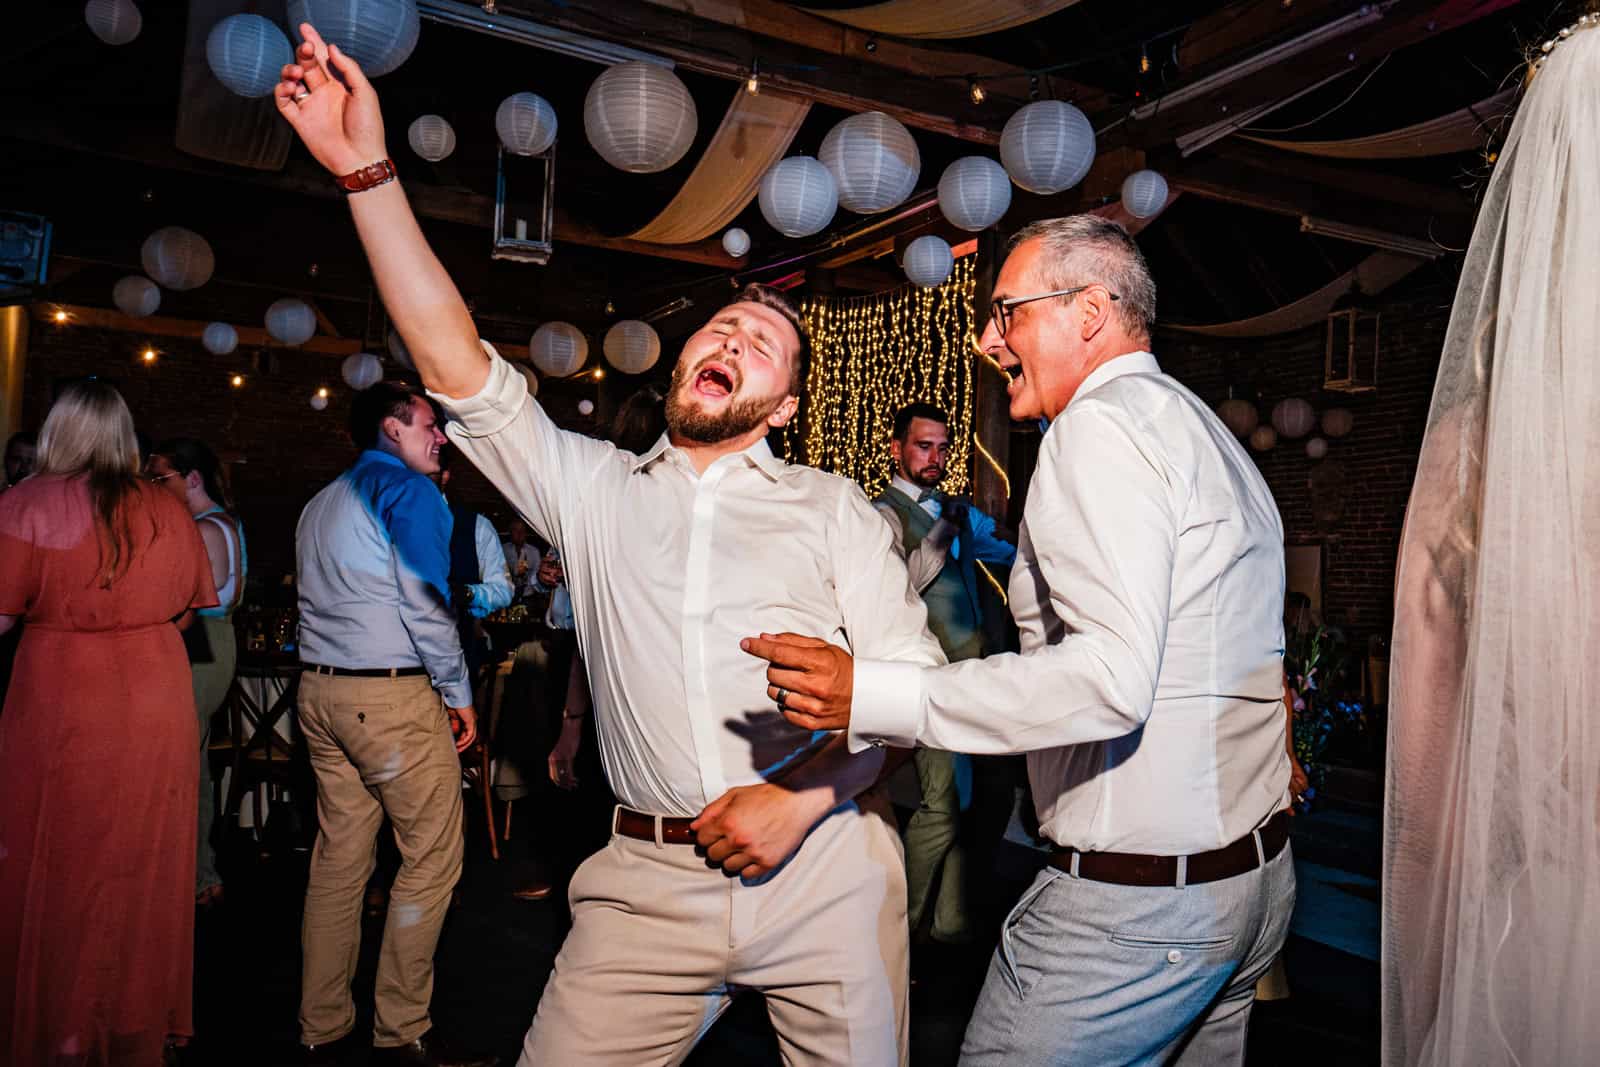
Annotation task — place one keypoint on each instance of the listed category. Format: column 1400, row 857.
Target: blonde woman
column 98, row 749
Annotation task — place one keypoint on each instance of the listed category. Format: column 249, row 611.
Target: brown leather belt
column 1127, row 868
column 636, row 824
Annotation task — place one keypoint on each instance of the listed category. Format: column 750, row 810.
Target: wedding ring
column 783, row 695
column 301, row 95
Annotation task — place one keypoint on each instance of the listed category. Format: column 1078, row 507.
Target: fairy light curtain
column 872, row 355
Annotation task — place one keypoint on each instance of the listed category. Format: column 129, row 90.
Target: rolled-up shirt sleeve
column 1104, row 534
column 494, row 590
column 418, row 522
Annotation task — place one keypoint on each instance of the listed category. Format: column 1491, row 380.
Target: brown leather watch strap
column 374, row 174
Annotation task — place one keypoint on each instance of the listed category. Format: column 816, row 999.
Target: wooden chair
column 258, row 757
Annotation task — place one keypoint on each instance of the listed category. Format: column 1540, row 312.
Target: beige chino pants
column 660, row 942
column 378, row 745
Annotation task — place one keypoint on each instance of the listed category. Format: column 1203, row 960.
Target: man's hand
column 817, row 678
column 562, row 761
column 464, row 725
column 1299, row 782
column 752, row 829
column 340, row 122
column 550, row 573
column 954, row 509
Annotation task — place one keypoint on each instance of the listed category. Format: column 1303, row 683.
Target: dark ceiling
column 86, row 134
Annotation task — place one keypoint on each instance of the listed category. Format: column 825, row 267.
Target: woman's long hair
column 89, row 432
column 187, row 454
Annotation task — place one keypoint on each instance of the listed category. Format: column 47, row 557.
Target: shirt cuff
column 457, row 694
column 490, row 409
column 885, row 704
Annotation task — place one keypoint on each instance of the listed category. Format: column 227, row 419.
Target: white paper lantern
column 361, row 370
column 873, row 160
column 528, row 376
column 291, row 321
column 113, row 21
column 1047, row 146
column 377, row 34
column 136, row 295
column 1293, row 418
column 586, row 407
column 632, row 346
column 1336, row 422
column 558, row 349
column 398, row 350
column 1316, row 448
column 639, row 117
column 431, row 137
column 928, row 261
column 1264, row 438
column 1239, row 415
column 247, row 52
column 526, row 123
column 736, row 243
column 798, row 196
column 219, row 338
column 1144, row 194
column 318, row 402
column 974, row 193
column 177, row 258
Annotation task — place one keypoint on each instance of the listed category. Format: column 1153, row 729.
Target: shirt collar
column 1116, row 367
column 909, row 488
column 758, row 455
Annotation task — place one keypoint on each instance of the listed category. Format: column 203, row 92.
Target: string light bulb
column 752, row 84
column 599, row 373
column 149, row 355
column 975, row 90
column 323, row 392
column 60, row 316
column 1144, row 60
column 237, row 381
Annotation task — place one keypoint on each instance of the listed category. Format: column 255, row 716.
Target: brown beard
column 690, row 422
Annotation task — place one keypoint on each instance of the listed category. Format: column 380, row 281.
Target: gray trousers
column 1091, row 973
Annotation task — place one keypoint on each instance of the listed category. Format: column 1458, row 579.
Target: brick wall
column 281, row 450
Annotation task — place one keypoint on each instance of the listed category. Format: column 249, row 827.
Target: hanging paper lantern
column 873, row 160
column 291, row 321
column 247, row 52
column 1047, row 146
column 558, row 349
column 639, row 117
column 1239, row 415
column 1336, row 422
column 1144, row 194
column 1263, row 439
column 136, row 295
column 974, row 193
column 528, row 376
column 219, row 338
column 586, row 407
column 1293, row 418
column 113, row 21
column 526, row 123
column 361, row 371
column 632, row 346
column 398, row 350
column 378, row 34
column 798, row 196
column 177, row 258
column 319, row 402
column 736, row 243
column 928, row 261
column 431, row 137
column 1316, row 448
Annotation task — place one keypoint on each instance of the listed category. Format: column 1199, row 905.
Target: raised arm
column 339, row 121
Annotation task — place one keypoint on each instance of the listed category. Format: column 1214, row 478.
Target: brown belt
column 1127, row 868
column 636, row 824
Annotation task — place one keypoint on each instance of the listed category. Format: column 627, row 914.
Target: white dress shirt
column 522, row 583
column 1149, row 595
column 668, row 569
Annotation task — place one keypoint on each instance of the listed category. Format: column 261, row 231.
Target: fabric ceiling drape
column 1371, row 276
column 943, row 18
column 755, row 133
column 1460, row 131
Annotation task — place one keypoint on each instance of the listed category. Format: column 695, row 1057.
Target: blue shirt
column 373, row 555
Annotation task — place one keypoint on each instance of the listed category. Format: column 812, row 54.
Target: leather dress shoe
column 329, row 1052
column 429, row 1050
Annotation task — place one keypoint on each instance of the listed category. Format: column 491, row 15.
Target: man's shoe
column 329, row 1052
column 532, row 890
column 429, row 1050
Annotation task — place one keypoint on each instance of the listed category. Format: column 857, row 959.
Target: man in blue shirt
column 385, row 685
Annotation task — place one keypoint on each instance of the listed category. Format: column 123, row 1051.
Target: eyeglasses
column 150, row 476
column 1001, row 307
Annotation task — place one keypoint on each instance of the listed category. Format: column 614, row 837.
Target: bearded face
column 734, row 373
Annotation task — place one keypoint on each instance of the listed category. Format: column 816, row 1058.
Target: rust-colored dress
column 98, row 751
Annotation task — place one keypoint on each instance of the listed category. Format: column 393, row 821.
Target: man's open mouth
column 714, row 380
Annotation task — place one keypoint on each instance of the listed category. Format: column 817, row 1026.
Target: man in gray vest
column 942, row 539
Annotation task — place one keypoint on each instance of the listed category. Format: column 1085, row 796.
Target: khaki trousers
column 377, row 745
column 659, row 943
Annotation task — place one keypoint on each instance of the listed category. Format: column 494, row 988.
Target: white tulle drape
column 1492, row 844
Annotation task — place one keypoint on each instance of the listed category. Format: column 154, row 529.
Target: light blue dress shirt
column 373, row 555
